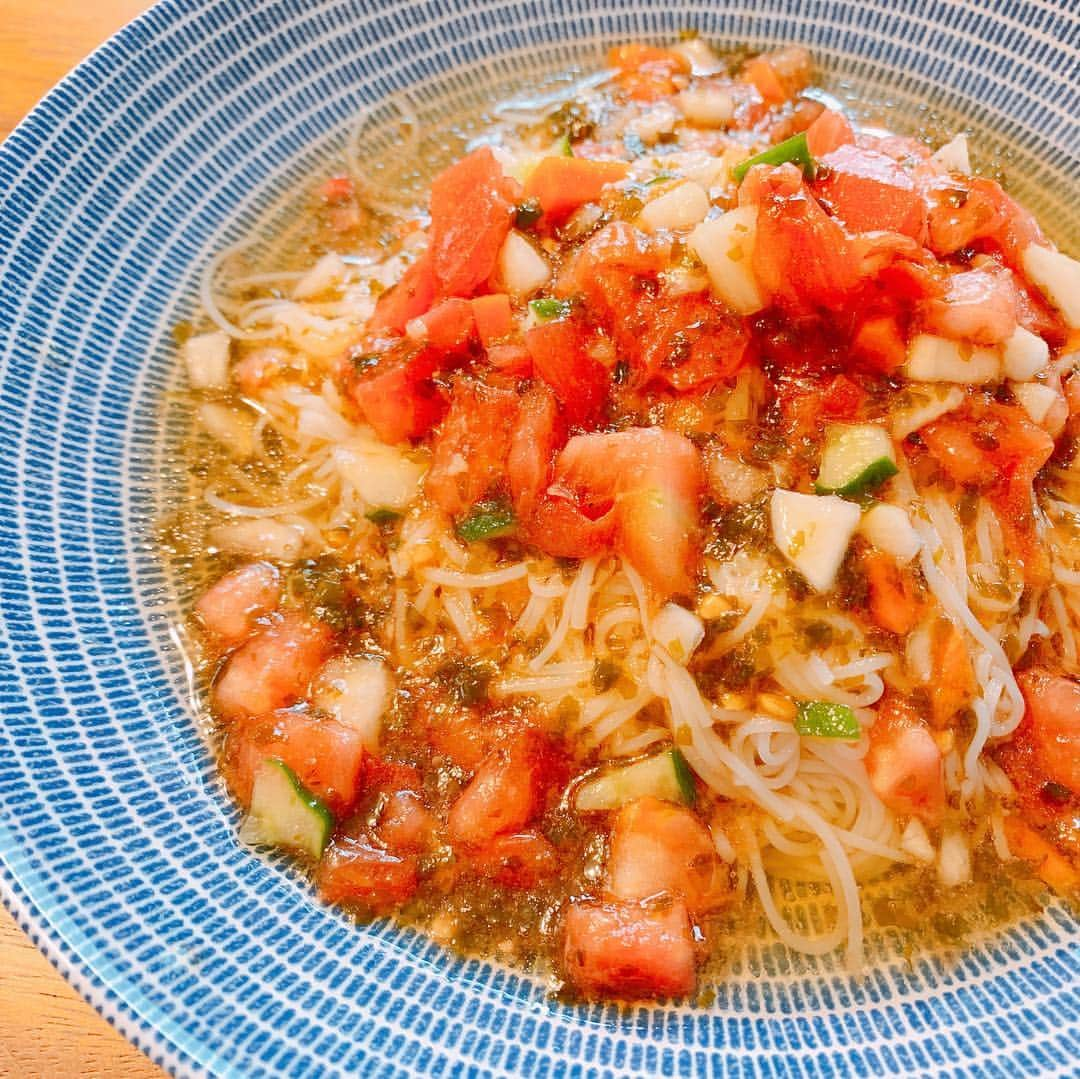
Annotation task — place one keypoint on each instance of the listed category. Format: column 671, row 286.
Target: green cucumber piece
column 284, row 813
column 823, row 719
column 857, row 458
column 666, row 776
column 794, row 150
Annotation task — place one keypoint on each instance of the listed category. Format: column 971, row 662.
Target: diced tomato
column 779, row 76
column 870, row 192
column 658, row 847
column 406, row 825
column 470, row 449
column 272, row 669
column 691, row 343
column 450, row 325
column 629, row 950
column 1054, row 711
column 472, row 206
column 518, row 861
column 337, row 189
column 538, row 434
column 646, row 72
column 895, row 604
column 356, row 872
column 395, row 393
column 841, row 398
column 560, row 528
column 461, row 736
column 829, row 132
column 406, row 300
column 230, row 608
column 561, row 358
column 793, row 230
column 978, row 305
column 506, row 792
column 879, row 344
column 510, row 359
column 904, row 762
column 494, row 317
column 562, row 184
column 327, row 756
column 1050, row 866
column 952, row 682
column 653, row 480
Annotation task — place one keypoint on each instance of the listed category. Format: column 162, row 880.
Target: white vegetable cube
column 1058, row 276
column 381, row 475
column 356, row 691
column 1036, row 399
column 679, row 208
column 726, row 247
column 928, row 403
column 890, row 530
column 707, row 107
column 327, row 273
column 954, row 155
column 207, row 359
column 954, row 859
column 521, row 268
column 916, row 841
column 937, row 359
column 678, row 630
column 813, row 532
column 1026, row 355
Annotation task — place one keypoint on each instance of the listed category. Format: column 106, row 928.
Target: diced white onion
column 329, row 271
column 707, row 107
column 702, row 59
column 734, row 481
column 937, row 359
column 1058, row 276
column 679, row 208
column 356, row 691
column 954, row 859
column 813, row 532
column 916, row 842
column 1036, row 399
column 1026, row 355
column 207, row 359
column 726, row 246
column 231, row 427
column 522, row 269
column 890, row 530
column 954, row 155
column 381, row 475
column 931, row 403
column 260, row 538
column 678, row 630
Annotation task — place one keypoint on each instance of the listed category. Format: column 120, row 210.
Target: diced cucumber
column 284, row 813
column 823, row 719
column 666, row 776
column 489, row 519
column 857, row 457
column 813, row 532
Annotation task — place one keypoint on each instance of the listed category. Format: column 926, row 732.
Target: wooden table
column 46, row 1030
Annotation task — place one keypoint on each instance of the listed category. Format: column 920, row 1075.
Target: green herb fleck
column 488, row 520
column 382, row 515
column 548, row 308
column 794, row 150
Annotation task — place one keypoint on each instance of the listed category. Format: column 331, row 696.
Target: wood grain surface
column 47, row 1031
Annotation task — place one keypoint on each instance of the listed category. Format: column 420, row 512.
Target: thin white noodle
column 236, row 509
column 490, row 579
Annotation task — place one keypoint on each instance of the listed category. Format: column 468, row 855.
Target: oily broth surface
column 906, row 911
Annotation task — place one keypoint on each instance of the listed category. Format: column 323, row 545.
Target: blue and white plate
column 117, row 848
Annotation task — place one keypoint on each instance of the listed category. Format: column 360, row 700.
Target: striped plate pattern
column 117, row 848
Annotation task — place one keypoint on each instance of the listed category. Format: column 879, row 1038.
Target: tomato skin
column 1054, row 716
column 518, row 861
column 327, row 756
column 829, row 132
column 272, row 669
column 904, row 762
column 626, row 950
column 562, row 184
column 894, row 602
column 869, row 192
column 660, row 847
column 470, row 449
column 355, row 871
column 506, row 792
column 406, row 300
column 472, row 206
column 560, row 357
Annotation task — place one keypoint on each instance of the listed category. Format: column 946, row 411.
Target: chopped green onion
column 794, row 150
column 548, row 309
column 527, row 213
column 382, row 515
column 823, row 719
column 684, row 776
column 488, row 520
column 563, row 146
